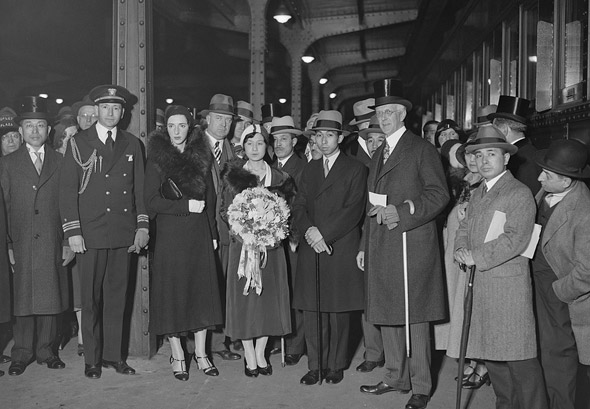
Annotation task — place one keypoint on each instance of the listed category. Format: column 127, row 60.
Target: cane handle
column 412, row 207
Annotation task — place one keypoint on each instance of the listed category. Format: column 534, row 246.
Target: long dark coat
column 565, row 246
column 412, row 172
column 354, row 150
column 185, row 290
column 502, row 321
column 34, row 226
column 336, row 206
column 523, row 167
column 5, row 293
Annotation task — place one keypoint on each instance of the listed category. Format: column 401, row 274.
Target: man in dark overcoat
column 285, row 137
column 561, row 268
column 357, row 146
column 105, row 220
column 407, row 169
column 219, row 117
column 328, row 212
column 30, row 180
column 510, row 118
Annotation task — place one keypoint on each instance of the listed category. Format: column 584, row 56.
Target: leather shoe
column 335, row 377
column 121, row 367
column 92, row 371
column 292, row 359
column 227, row 355
column 417, row 401
column 380, row 389
column 17, row 368
column 237, row 345
column 53, row 363
column 311, row 378
column 4, row 359
column 368, row 366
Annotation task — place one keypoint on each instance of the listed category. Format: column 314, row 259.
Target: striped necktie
column 484, row 190
column 280, row 165
column 38, row 162
column 385, row 152
column 217, row 152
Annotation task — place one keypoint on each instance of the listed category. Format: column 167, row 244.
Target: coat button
column 106, row 176
column 124, row 210
column 36, row 236
column 107, row 192
column 34, row 187
column 124, row 174
column 36, row 211
column 124, row 192
column 108, row 209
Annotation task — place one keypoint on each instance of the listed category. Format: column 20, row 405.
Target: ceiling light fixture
column 332, row 95
column 282, row 100
column 169, row 100
column 282, row 15
column 323, row 81
column 59, row 101
column 43, row 95
column 308, row 59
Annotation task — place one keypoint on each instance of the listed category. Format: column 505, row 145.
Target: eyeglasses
column 11, row 137
column 88, row 116
column 387, row 112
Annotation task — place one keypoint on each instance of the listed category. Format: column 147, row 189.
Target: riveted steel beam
column 257, row 52
column 339, row 81
column 132, row 68
column 359, row 91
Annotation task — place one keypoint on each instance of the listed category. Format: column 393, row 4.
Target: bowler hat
column 390, row 91
column 283, row 124
column 220, row 104
column 269, row 111
column 510, row 107
column 86, row 101
column 245, row 110
column 373, row 128
column 482, row 114
column 7, row 123
column 33, row 107
column 490, row 137
column 363, row 111
column 567, row 157
column 328, row 121
column 110, row 93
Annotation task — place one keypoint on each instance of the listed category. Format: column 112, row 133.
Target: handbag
column 169, row 190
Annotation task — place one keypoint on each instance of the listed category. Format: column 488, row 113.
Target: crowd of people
column 382, row 221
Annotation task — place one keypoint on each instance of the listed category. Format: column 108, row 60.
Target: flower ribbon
column 252, row 259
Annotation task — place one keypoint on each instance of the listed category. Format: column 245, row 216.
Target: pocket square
column 129, row 158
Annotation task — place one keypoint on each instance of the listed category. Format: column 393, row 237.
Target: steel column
column 257, row 52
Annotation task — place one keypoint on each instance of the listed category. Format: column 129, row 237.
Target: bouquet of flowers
column 260, row 219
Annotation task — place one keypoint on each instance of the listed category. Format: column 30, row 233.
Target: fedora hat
column 310, row 124
column 490, row 137
column 33, row 107
column 482, row 114
column 269, row 111
column 7, row 123
column 110, row 93
column 329, row 121
column 373, row 128
column 362, row 111
column 220, row 104
column 567, row 157
column 283, row 124
column 390, row 91
column 86, row 101
column 245, row 111
column 514, row 108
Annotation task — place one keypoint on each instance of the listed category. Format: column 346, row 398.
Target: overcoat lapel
column 395, row 157
column 50, row 165
column 483, row 203
column 333, row 175
column 559, row 217
column 27, row 163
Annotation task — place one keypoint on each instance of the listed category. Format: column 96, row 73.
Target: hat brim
column 508, row 147
column 33, row 115
column 206, row 112
column 324, row 128
column 514, row 117
column 364, row 133
column 291, row 131
column 540, row 160
column 392, row 100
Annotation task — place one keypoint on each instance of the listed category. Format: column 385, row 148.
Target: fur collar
column 189, row 169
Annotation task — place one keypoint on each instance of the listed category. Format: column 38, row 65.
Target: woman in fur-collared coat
column 185, row 290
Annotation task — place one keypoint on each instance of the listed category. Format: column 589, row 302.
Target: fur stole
column 189, row 169
column 236, row 179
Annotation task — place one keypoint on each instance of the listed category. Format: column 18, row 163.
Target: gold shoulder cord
column 87, row 167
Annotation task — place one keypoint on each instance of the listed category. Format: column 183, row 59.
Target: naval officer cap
column 110, row 93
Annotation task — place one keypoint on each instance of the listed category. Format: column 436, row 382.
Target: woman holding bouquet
column 254, row 317
column 185, row 290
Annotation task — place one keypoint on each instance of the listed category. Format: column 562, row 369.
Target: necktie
column 385, row 152
column 38, row 162
column 484, row 190
column 217, row 153
column 326, row 168
column 280, row 165
column 110, row 140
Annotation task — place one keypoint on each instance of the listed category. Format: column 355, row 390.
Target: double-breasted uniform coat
column 502, row 322
column 565, row 247
column 413, row 172
column 40, row 282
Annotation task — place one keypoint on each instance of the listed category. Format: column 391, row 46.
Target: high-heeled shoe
column 266, row 371
column 205, row 365
column 477, row 380
column 251, row 373
column 181, row 374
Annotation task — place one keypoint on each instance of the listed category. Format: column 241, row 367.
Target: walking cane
column 467, row 309
column 319, row 315
column 406, row 290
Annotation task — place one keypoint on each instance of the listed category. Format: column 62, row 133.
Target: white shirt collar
column 212, row 141
column 102, row 132
column 285, row 160
column 394, row 138
column 554, row 198
column 331, row 159
column 363, row 144
column 490, row 183
column 33, row 154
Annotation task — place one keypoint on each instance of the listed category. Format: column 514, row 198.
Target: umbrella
column 319, row 314
column 467, row 307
